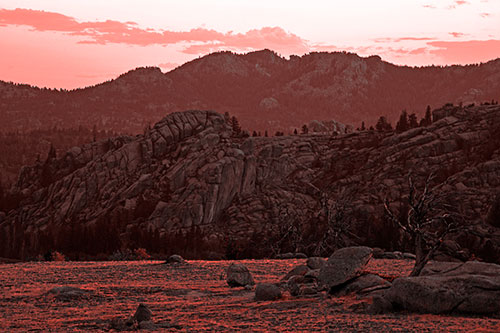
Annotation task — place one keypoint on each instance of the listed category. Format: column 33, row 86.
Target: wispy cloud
column 168, row 65
column 458, row 3
column 401, row 39
column 464, row 52
column 109, row 31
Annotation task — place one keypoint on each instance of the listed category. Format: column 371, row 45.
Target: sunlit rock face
column 190, row 176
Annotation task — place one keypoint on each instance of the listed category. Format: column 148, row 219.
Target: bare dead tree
column 429, row 220
column 339, row 220
column 289, row 230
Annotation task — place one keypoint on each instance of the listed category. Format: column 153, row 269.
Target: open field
column 194, row 297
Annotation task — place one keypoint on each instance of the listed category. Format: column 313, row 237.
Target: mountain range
column 264, row 90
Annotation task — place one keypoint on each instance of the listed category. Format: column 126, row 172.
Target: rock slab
column 471, row 287
column 344, row 265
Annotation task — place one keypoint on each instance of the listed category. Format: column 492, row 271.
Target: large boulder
column 300, row 270
column 470, row 287
column 343, row 265
column 455, row 269
column 267, row 292
column 238, row 275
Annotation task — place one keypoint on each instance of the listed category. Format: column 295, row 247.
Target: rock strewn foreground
column 189, row 171
column 194, row 298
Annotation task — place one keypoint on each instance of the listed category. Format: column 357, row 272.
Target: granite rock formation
column 190, row 176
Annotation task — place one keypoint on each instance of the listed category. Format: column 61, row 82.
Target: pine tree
column 402, row 125
column 363, row 128
column 383, row 125
column 235, row 124
column 227, row 118
column 52, row 154
column 428, row 116
column 412, row 121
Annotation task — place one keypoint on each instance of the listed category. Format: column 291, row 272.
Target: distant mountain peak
column 142, row 72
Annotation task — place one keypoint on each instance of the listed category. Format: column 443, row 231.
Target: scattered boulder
column 175, row 259
column 470, row 287
column 67, row 293
column 364, row 283
column 119, row 324
column 238, row 275
column 344, row 265
column 143, row 313
column 391, row 255
column 407, row 255
column 379, row 305
column 312, row 274
column 147, row 325
column 456, row 269
column 315, row 262
column 140, row 320
column 308, row 289
column 298, row 270
column 290, row 255
column 267, row 292
column 377, row 252
column 294, row 284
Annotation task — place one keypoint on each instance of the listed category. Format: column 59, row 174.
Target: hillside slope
column 189, row 183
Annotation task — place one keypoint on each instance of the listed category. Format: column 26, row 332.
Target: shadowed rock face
column 189, row 173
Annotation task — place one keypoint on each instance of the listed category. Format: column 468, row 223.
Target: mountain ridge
column 265, row 91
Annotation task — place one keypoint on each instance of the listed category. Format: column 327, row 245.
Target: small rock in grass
column 143, row 313
column 175, row 259
column 267, row 292
column 147, row 325
column 238, row 275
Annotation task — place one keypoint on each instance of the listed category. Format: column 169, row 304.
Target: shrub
column 57, row 256
column 141, row 254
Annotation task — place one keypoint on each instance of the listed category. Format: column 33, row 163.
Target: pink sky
column 68, row 44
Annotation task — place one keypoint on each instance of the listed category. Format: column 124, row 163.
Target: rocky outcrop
column 189, row 180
